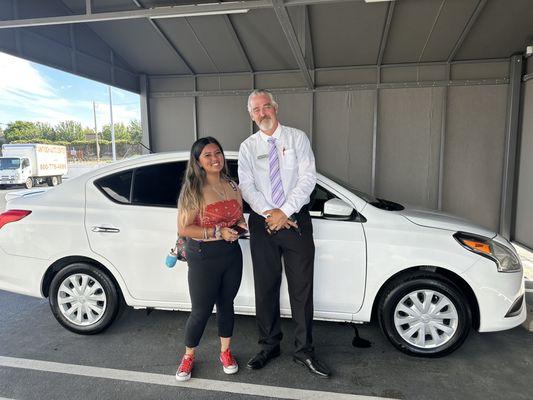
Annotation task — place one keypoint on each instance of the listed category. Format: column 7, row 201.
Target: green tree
column 46, row 131
column 121, row 132
column 136, row 131
column 69, row 131
column 20, row 130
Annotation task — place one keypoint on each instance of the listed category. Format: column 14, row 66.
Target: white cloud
column 26, row 94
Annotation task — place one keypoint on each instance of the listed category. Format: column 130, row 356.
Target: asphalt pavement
column 136, row 359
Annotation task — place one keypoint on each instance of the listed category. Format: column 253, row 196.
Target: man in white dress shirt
column 277, row 176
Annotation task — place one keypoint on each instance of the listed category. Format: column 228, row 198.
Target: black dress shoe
column 313, row 365
column 262, row 358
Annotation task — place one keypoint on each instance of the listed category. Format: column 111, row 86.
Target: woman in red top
column 210, row 204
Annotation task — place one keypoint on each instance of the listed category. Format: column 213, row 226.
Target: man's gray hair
column 258, row 92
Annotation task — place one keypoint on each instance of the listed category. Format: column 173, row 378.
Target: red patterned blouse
column 222, row 213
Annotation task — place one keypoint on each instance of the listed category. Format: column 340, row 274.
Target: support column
column 508, row 196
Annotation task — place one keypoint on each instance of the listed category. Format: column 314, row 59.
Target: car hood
column 439, row 220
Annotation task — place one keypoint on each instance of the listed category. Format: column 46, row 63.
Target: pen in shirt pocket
column 283, row 152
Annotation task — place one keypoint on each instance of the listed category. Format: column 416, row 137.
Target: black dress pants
column 298, row 252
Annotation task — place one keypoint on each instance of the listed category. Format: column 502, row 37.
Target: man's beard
column 266, row 124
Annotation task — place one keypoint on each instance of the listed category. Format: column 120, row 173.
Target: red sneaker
column 184, row 370
column 229, row 364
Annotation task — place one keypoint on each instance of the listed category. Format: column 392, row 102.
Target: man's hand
column 276, row 220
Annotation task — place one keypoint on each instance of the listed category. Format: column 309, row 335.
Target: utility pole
column 112, row 125
column 96, row 133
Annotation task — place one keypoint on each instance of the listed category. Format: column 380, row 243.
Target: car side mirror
column 338, row 210
column 25, row 163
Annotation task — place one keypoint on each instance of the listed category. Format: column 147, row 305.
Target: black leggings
column 215, row 272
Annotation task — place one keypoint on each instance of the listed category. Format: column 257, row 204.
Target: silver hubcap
column 81, row 299
column 426, row 319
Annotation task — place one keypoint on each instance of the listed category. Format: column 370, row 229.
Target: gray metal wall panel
column 408, row 145
column 345, row 76
column 295, row 110
column 225, row 118
column 163, row 84
column 524, row 210
column 227, row 82
column 172, row 123
column 413, row 73
column 474, row 148
column 279, row 80
column 342, row 136
column 476, row 71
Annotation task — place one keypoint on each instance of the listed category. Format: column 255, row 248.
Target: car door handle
column 247, row 237
column 104, row 229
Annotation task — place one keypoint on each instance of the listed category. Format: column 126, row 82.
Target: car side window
column 319, row 196
column 116, row 187
column 158, row 185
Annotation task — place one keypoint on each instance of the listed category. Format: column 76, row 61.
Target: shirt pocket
column 289, row 159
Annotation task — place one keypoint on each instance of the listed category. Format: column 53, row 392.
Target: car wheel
column 28, row 183
column 424, row 315
column 84, row 299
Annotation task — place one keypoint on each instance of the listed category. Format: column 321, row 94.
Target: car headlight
column 506, row 260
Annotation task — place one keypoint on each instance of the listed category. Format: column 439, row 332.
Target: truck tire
column 53, row 181
column 29, row 183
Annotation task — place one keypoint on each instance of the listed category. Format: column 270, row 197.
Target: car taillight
column 12, row 216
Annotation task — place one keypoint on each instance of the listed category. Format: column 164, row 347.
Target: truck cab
column 14, row 170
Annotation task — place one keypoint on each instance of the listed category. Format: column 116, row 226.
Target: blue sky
column 33, row 92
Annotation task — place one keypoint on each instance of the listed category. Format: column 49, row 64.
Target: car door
column 130, row 220
column 340, row 261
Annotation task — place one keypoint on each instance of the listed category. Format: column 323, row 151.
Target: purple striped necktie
column 278, row 196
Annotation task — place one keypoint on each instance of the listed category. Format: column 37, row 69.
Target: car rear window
column 117, row 187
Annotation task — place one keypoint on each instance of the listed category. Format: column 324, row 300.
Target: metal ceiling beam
column 238, row 43
column 202, row 46
column 467, row 28
column 311, row 55
column 157, row 12
column 385, row 34
column 288, row 30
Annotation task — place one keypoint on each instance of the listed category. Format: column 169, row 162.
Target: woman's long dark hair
column 191, row 198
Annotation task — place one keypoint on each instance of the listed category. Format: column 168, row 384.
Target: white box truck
column 30, row 164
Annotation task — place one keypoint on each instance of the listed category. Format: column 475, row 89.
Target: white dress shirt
column 297, row 167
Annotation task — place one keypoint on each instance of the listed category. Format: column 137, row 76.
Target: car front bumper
column 496, row 294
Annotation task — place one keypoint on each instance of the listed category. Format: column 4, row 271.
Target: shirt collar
column 276, row 134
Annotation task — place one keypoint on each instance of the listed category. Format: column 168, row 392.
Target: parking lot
column 136, row 358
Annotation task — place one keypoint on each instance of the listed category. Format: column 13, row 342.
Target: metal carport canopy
column 122, row 39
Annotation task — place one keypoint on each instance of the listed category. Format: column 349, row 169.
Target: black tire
column 29, row 183
column 90, row 322
column 414, row 285
column 52, row 181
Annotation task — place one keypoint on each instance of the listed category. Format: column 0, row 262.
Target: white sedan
column 101, row 239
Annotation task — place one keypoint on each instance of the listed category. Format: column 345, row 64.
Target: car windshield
column 375, row 201
column 9, row 163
